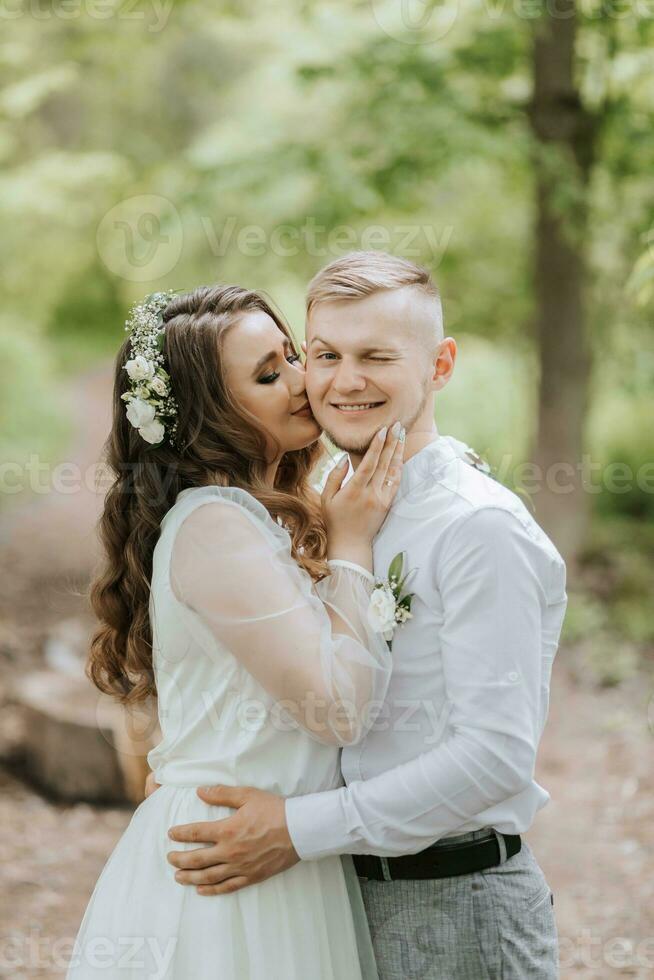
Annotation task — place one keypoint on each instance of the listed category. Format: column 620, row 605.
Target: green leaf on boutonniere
column 395, row 569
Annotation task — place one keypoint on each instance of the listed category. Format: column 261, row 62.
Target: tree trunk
column 564, row 154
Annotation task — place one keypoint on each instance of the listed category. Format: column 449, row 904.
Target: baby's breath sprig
column 151, row 406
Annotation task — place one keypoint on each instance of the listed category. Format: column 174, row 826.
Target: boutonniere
column 479, row 463
column 390, row 605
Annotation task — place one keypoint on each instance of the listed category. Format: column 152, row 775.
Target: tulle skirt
column 307, row 923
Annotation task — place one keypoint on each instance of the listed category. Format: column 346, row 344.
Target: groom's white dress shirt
column 454, row 746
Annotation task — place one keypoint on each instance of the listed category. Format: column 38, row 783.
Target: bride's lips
column 304, row 412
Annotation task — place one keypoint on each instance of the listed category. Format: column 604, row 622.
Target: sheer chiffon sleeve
column 312, row 650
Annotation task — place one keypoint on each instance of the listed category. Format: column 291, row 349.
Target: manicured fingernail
column 403, row 434
column 382, row 433
column 395, row 431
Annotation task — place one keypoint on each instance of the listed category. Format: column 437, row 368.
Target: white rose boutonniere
column 381, row 611
column 390, row 605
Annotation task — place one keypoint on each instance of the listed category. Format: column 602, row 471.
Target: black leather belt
column 441, row 860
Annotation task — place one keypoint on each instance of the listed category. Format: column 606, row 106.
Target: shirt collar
column 429, row 462
column 419, row 469
column 424, row 464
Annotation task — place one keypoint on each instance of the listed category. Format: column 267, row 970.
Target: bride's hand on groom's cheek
column 248, row 847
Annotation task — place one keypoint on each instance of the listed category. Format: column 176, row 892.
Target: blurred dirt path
column 48, row 543
column 595, row 840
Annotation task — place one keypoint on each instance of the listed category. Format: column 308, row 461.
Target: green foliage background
column 290, row 117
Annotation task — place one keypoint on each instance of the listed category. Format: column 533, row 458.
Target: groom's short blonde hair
column 360, row 274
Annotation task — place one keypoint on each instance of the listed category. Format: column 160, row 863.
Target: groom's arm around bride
column 433, row 827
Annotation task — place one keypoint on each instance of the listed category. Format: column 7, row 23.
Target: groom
column 441, row 788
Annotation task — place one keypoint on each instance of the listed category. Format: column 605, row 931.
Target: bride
column 239, row 597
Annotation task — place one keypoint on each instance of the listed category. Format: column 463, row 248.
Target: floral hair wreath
column 151, row 407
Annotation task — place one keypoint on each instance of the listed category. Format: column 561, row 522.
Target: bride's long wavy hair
column 219, row 443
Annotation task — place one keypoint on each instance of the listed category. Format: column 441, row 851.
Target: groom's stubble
column 360, row 450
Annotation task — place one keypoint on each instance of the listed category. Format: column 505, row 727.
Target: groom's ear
column 444, row 363
column 303, row 345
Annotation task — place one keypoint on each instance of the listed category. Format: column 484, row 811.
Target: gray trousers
column 496, row 924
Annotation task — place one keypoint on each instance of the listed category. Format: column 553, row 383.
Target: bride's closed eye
column 269, row 378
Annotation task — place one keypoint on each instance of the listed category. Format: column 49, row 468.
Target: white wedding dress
column 250, row 670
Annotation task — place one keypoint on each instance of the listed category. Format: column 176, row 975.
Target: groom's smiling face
column 370, row 362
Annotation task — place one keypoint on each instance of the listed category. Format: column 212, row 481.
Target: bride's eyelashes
column 269, row 378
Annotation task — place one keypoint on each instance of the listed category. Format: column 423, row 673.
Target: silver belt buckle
column 385, row 869
column 501, row 843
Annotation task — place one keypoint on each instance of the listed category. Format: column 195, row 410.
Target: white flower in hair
column 142, row 417
column 151, row 407
column 140, row 369
column 140, row 413
column 159, row 386
column 153, row 432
